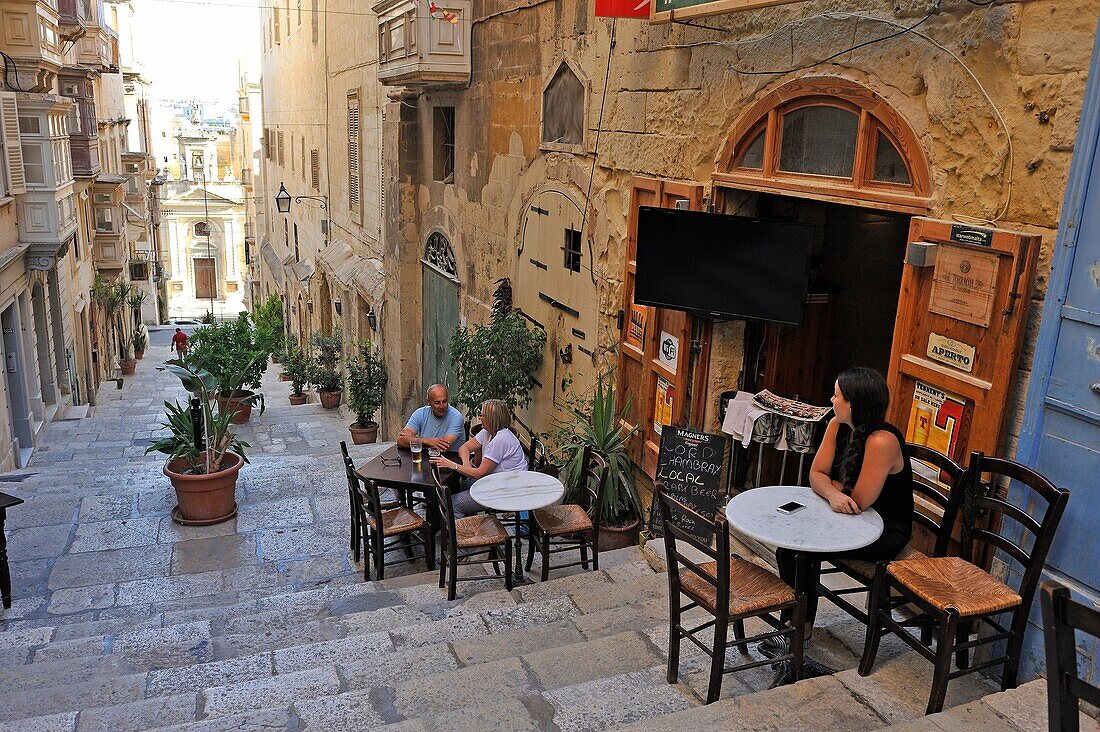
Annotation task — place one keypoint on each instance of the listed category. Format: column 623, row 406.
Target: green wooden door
column 440, row 321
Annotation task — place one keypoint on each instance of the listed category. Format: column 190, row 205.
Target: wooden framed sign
column 963, row 284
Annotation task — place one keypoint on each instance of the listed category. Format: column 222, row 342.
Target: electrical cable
column 7, row 73
column 596, row 152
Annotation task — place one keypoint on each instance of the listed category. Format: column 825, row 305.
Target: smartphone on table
column 791, row 507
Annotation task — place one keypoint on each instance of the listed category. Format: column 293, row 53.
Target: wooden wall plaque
column 963, row 284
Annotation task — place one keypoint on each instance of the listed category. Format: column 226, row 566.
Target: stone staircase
column 294, row 639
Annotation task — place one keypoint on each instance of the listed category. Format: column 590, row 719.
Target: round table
column 816, row 528
column 515, row 491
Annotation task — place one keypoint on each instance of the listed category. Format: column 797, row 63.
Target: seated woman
column 495, row 449
column 862, row 463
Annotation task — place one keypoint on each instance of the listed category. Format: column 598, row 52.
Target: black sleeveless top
column 895, row 503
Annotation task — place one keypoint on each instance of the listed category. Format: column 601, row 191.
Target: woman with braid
column 862, row 463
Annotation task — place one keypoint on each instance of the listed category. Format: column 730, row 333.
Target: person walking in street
column 179, row 343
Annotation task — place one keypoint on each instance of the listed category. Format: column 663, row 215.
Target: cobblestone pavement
column 95, row 538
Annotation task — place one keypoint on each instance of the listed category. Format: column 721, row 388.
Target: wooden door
column 440, row 321
column 656, row 369
column 206, row 278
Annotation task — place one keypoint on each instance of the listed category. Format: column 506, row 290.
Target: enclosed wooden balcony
column 422, row 51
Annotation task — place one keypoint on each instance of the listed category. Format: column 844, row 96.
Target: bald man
column 437, row 423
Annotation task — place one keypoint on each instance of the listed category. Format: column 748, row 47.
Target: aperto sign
column 665, row 11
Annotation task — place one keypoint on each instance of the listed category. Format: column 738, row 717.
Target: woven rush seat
column 867, row 568
column 952, row 582
column 752, row 588
column 397, row 521
column 563, row 519
column 479, row 530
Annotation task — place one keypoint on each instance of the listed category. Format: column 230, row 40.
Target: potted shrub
column 230, row 352
column 497, row 360
column 139, row 340
column 325, row 374
column 594, row 422
column 204, row 455
column 296, row 369
column 268, row 320
column 289, row 345
column 366, row 389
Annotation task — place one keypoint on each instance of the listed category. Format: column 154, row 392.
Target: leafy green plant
column 366, row 384
column 287, row 346
column 111, row 296
column 139, row 340
column 227, row 350
column 135, row 300
column 208, row 318
column 327, row 352
column 496, row 361
column 203, row 446
column 592, row 421
column 268, row 319
column 297, row 367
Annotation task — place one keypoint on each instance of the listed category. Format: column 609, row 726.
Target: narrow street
column 95, row 541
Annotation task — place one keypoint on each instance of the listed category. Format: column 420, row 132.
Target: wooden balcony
column 420, row 51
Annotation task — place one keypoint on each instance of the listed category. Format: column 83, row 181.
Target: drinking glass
column 433, row 452
column 416, row 446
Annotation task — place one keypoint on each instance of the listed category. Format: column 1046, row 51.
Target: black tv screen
column 723, row 266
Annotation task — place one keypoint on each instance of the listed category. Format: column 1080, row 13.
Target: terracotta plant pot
column 331, row 399
column 275, row 359
column 205, row 499
column 298, row 400
column 139, row 355
column 241, row 410
column 284, row 377
column 128, row 366
column 618, row 538
column 363, row 435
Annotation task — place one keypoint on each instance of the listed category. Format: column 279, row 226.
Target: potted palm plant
column 592, row 421
column 366, row 389
column 139, row 341
column 296, row 369
column 204, row 455
column 326, row 376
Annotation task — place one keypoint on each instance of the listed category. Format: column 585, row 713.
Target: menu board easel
column 689, row 465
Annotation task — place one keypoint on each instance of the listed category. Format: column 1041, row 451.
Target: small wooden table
column 515, row 491
column 395, row 469
column 6, row 502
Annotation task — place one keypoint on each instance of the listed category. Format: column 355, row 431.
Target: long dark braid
column 865, row 389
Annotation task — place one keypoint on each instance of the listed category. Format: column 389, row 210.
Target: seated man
column 437, row 424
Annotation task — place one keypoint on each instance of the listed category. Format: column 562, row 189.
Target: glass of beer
column 417, row 448
column 433, row 452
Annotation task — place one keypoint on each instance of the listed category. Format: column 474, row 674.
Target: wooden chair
column 355, row 502
column 386, row 529
column 1062, row 618
column 956, row 596
column 481, row 534
column 570, row 526
column 731, row 590
column 863, row 571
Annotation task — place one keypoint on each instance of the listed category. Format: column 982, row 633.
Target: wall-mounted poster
column 668, row 351
column 663, row 400
column 934, row 418
column 963, row 284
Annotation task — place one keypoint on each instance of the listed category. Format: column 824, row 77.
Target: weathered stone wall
column 993, row 95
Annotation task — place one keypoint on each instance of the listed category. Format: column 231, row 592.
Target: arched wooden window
column 827, row 138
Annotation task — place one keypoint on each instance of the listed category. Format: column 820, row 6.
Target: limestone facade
column 991, row 94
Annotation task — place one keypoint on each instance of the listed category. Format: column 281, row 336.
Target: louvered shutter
column 281, row 148
column 13, row 151
column 353, row 153
column 315, row 169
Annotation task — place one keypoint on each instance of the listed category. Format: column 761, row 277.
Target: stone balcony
column 419, row 51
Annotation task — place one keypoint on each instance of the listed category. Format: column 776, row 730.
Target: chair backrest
column 446, row 509
column 949, row 477
column 344, row 448
column 1062, row 618
column 591, row 488
column 536, row 454
column 372, row 504
column 720, row 553
column 983, row 506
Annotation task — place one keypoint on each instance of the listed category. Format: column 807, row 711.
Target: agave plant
column 594, row 422
column 202, row 443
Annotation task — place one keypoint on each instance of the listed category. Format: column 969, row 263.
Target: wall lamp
column 309, row 306
column 282, row 200
column 372, row 319
column 339, row 306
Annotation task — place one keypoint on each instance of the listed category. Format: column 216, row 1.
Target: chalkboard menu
column 689, row 464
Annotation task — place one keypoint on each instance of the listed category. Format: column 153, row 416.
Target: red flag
column 622, row 8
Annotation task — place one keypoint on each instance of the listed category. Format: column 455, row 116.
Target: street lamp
column 282, row 200
column 372, row 319
column 339, row 306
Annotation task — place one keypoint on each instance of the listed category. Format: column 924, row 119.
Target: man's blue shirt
column 426, row 424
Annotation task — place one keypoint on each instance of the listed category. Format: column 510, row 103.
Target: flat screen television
column 723, row 266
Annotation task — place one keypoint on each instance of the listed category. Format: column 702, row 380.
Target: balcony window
column 30, row 126
column 34, row 165
column 104, row 220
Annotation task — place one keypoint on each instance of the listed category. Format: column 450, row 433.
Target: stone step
column 162, row 662
column 1023, row 709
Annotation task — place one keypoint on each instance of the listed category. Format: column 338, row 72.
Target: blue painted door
column 1061, row 436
